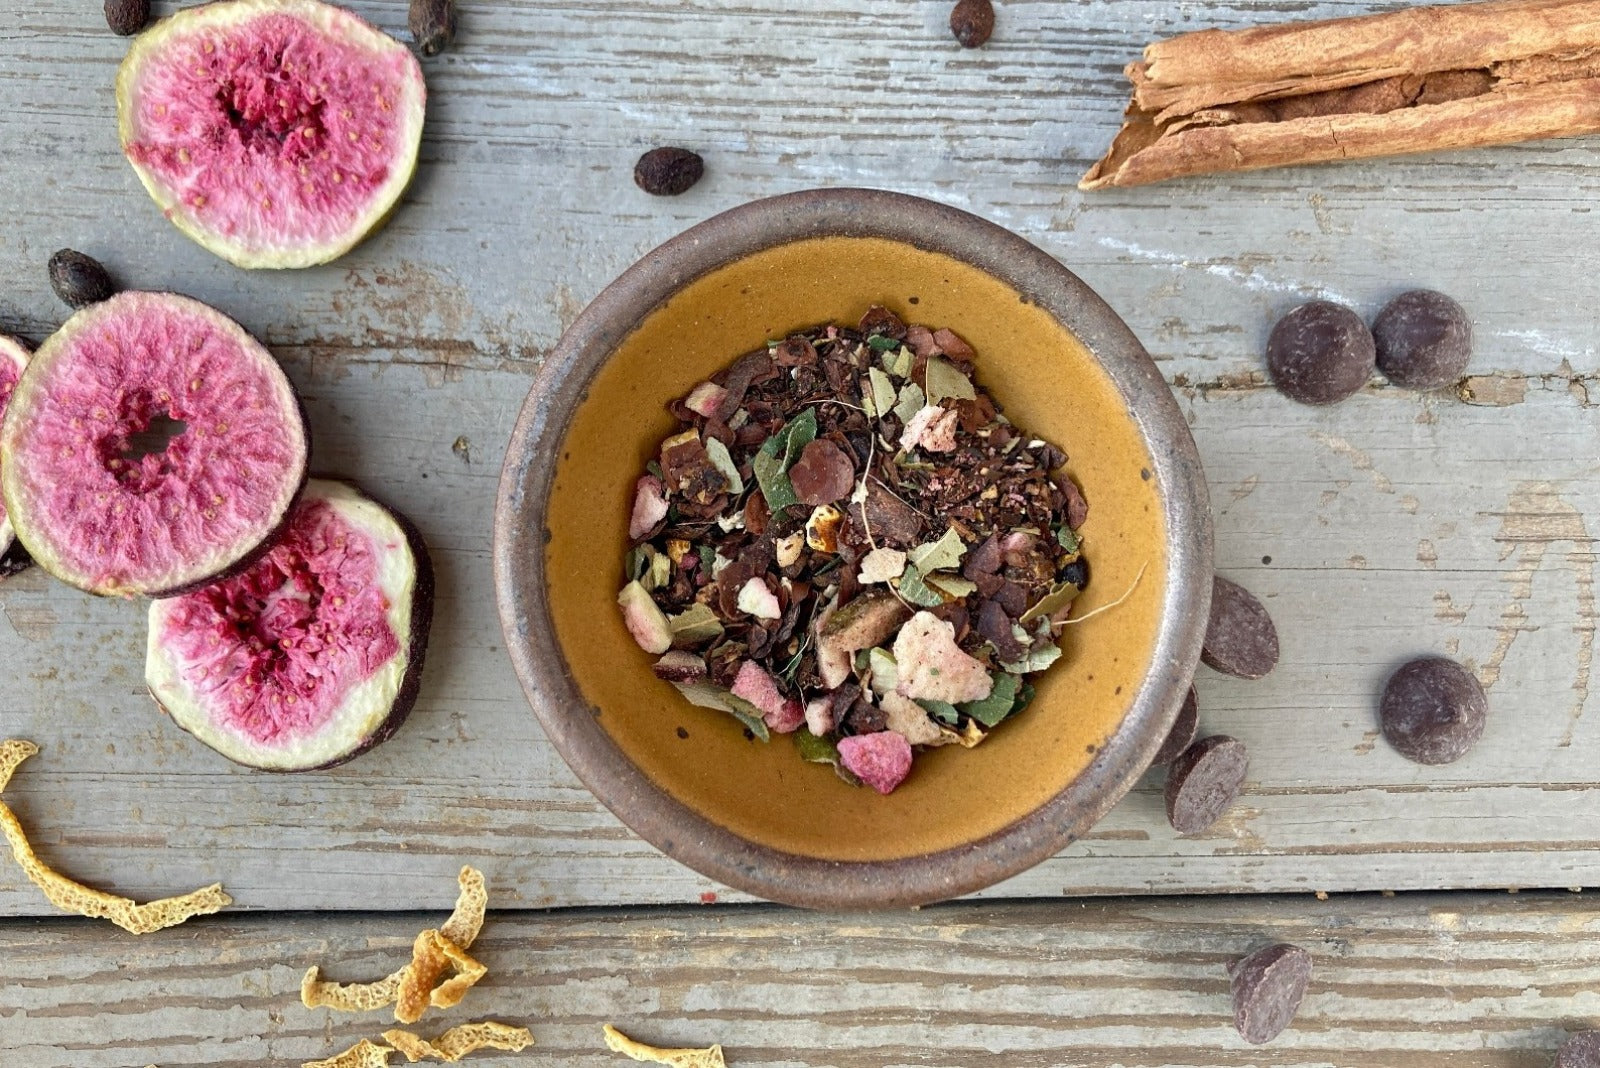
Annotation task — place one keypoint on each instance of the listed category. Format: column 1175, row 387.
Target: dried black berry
column 127, row 17
column 79, row 280
column 972, row 21
column 1433, row 710
column 1424, row 340
column 433, row 25
column 666, row 172
column 1320, row 353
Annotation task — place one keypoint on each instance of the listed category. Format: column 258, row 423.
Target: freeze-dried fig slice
column 13, row 358
column 101, row 506
column 276, row 133
column 313, row 654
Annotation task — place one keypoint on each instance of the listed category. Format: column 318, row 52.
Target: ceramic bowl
column 753, row 815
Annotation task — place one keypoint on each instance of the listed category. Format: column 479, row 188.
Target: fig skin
column 14, row 558
column 421, row 623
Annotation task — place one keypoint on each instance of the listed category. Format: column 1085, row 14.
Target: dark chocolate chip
column 1580, row 1050
column 1240, row 638
column 79, row 280
column 1433, row 710
column 127, row 17
column 432, row 24
column 1267, row 988
column 1320, row 353
column 666, row 172
column 1184, row 728
column 972, row 21
column 1203, row 782
column 1424, row 340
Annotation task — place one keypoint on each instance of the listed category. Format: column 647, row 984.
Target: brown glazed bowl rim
column 650, row 811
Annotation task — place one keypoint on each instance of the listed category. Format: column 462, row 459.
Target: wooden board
column 1395, row 524
column 1468, row 981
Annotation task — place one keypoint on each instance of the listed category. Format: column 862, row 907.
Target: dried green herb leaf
column 705, row 695
column 885, row 672
column 637, row 562
column 883, row 391
column 815, row 750
column 696, row 625
column 943, row 711
column 659, row 572
column 708, row 558
column 880, row 343
column 913, row 589
column 868, row 404
column 1068, row 538
column 912, row 400
column 998, row 705
column 718, row 454
column 1034, row 660
column 942, row 555
column 1060, row 595
column 951, row 585
column 1024, row 697
column 943, row 381
column 654, row 467
column 899, row 363
column 779, row 453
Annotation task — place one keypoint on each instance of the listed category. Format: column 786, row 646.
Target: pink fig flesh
column 311, row 655
column 276, row 133
column 109, row 515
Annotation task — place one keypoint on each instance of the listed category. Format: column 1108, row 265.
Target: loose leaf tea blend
column 847, row 535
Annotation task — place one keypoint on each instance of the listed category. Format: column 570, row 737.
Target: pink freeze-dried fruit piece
column 644, row 619
column 881, row 760
column 783, row 714
column 276, row 133
column 100, row 511
column 13, row 358
column 649, row 508
column 313, row 654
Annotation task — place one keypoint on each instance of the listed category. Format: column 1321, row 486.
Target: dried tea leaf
column 460, row 1040
column 1000, row 703
column 1060, row 595
column 74, row 897
column 461, row 928
column 618, row 1042
column 363, row 1054
column 914, row 590
column 944, row 381
column 951, row 585
column 942, row 555
column 1068, row 538
column 777, row 454
column 883, row 391
column 912, row 400
column 706, row 695
column 885, row 674
column 722, row 460
column 943, row 711
column 13, row 752
column 695, row 625
column 1034, row 660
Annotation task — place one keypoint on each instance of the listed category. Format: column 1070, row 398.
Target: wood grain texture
column 1468, row 981
column 1395, row 524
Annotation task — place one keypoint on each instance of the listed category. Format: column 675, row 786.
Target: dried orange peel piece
column 431, row 956
column 460, row 929
column 618, row 1042
column 74, row 897
column 460, row 1041
column 363, row 1054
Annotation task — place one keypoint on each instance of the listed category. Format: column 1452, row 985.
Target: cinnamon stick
column 1415, row 80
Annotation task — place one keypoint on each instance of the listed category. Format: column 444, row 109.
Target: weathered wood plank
column 1394, row 524
column 1481, row 981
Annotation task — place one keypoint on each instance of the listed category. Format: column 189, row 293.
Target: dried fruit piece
column 1204, row 781
column 1433, row 710
column 103, row 513
column 276, row 133
column 460, row 1040
column 1267, row 987
column 1423, row 339
column 461, row 928
column 433, row 25
column 972, row 21
column 881, row 759
column 618, row 1042
column 74, row 897
column 432, row 955
column 1240, row 638
column 313, row 654
column 13, row 358
column 363, row 1054
column 933, row 667
column 668, row 171
column 127, row 17
column 1184, row 728
column 79, row 280
column 1320, row 353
